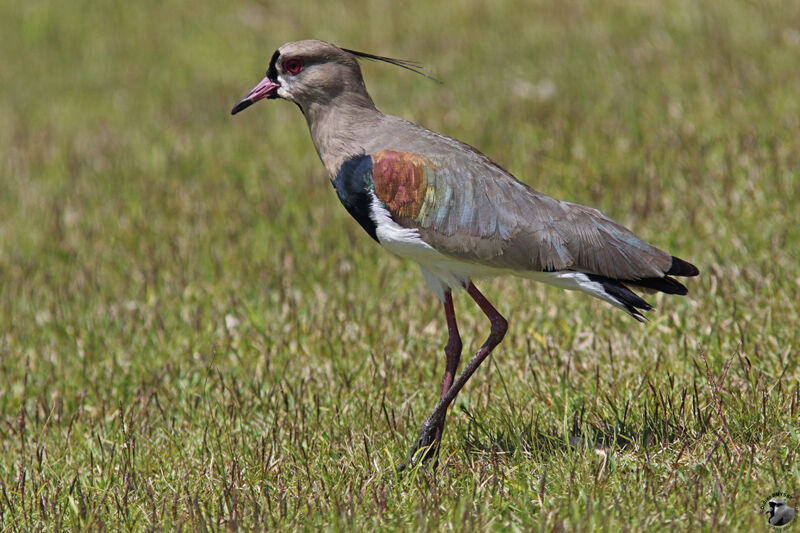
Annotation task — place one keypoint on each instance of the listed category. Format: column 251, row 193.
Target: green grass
column 194, row 334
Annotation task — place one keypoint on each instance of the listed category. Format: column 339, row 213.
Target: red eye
column 293, row 65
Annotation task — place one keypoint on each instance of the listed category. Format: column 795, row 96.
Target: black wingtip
column 666, row 284
column 620, row 289
column 625, row 297
column 679, row 267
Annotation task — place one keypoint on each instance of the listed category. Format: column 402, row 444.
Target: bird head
column 314, row 72
column 774, row 505
column 776, row 502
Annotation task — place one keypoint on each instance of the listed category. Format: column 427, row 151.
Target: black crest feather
column 413, row 66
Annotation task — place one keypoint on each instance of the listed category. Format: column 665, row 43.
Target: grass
column 195, row 335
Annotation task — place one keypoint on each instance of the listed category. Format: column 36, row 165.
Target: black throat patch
column 353, row 184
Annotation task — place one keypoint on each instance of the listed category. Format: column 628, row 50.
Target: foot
column 426, row 447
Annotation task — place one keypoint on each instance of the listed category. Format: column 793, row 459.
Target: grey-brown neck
column 342, row 127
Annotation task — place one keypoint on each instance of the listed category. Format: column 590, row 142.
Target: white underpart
column 442, row 273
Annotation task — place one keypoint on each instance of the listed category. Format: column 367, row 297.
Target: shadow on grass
column 605, row 432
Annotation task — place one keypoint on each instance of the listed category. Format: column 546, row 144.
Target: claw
column 427, row 443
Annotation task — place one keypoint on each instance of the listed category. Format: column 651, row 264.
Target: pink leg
column 430, row 433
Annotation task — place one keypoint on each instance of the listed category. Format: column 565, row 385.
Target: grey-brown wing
column 471, row 209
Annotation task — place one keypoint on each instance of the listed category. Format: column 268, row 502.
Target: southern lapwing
column 427, row 197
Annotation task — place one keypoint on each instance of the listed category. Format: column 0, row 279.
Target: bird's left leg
column 453, row 348
column 430, row 433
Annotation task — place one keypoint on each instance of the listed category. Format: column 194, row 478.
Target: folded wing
column 473, row 210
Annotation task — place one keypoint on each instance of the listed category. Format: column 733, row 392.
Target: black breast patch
column 353, row 184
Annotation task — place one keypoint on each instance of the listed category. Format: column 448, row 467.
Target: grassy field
column 194, row 334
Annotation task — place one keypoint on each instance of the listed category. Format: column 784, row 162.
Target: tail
column 618, row 291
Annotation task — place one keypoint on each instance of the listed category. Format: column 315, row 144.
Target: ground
column 194, row 333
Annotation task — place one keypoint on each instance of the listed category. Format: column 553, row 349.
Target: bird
column 440, row 202
column 779, row 513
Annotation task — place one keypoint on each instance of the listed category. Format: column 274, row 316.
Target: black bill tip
column 244, row 103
